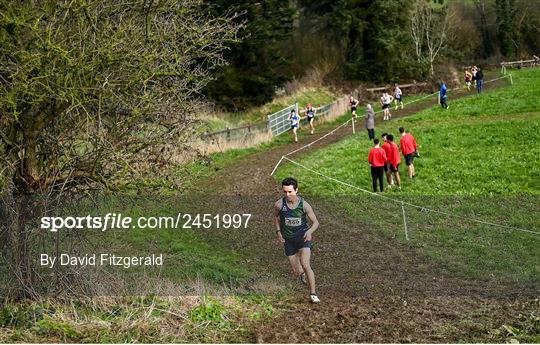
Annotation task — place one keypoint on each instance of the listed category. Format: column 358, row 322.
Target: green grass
column 136, row 319
column 479, row 159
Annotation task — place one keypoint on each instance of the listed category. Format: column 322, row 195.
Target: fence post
column 404, row 220
column 511, row 81
column 439, row 98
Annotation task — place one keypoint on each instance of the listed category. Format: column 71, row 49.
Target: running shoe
column 313, row 298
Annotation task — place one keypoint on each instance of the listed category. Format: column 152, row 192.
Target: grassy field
column 479, row 159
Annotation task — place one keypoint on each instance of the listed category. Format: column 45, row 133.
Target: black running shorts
column 293, row 245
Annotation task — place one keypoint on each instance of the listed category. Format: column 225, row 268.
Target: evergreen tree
column 258, row 64
column 373, row 36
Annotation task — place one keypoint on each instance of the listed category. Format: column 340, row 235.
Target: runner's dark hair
column 290, row 181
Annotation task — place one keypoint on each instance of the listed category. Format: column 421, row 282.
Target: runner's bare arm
column 312, row 218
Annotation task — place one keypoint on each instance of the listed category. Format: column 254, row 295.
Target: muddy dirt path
column 372, row 289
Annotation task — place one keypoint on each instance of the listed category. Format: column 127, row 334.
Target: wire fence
column 278, row 122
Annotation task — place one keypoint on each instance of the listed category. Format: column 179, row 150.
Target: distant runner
column 398, row 96
column 354, row 104
column 295, row 123
column 385, row 101
column 291, row 214
column 310, row 114
column 468, row 79
column 474, row 69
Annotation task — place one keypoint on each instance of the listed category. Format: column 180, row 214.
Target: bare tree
column 428, row 28
column 95, row 92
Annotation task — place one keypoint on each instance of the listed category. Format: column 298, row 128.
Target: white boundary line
column 422, row 208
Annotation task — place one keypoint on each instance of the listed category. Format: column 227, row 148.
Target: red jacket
column 392, row 153
column 408, row 144
column 387, row 149
column 377, row 157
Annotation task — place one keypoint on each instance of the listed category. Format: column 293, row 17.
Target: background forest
column 369, row 40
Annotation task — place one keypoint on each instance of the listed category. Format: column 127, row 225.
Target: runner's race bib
column 293, row 221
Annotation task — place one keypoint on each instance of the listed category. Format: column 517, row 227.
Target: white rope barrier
column 321, row 138
column 403, row 203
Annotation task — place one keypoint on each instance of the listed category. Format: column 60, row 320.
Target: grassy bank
column 479, row 159
column 316, row 95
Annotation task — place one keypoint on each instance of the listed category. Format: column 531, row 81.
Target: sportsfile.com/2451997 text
column 113, row 221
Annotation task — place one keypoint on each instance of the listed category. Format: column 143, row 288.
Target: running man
column 474, row 69
column 385, row 101
column 468, row 79
column 295, row 123
column 398, row 96
column 354, row 104
column 409, row 149
column 291, row 214
column 393, row 160
column 377, row 160
column 310, row 114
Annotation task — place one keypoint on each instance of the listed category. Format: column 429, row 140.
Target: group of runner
column 295, row 119
column 385, row 100
column 474, row 76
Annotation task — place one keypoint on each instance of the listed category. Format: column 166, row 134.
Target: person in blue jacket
column 443, row 97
